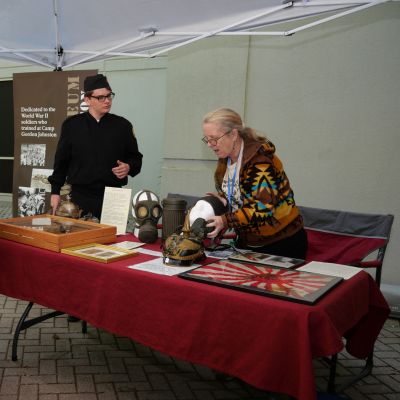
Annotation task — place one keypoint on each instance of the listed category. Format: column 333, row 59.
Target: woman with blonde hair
column 253, row 186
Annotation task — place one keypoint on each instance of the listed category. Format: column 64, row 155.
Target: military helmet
column 184, row 247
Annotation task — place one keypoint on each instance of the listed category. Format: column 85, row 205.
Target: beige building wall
column 200, row 78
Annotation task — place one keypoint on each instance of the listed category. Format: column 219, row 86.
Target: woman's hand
column 218, row 196
column 217, row 223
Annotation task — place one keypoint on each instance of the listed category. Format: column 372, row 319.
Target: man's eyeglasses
column 213, row 141
column 102, row 99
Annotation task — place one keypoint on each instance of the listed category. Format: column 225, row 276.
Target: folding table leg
column 369, row 363
column 332, row 374
column 25, row 324
column 84, row 326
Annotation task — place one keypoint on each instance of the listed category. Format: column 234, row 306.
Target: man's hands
column 121, row 170
column 55, row 202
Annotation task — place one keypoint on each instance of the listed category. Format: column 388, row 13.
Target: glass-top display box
column 55, row 233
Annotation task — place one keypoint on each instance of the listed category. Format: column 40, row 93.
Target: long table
column 266, row 342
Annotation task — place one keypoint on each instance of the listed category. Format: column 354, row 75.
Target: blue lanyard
column 231, row 184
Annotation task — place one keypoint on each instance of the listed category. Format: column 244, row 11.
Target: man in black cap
column 96, row 149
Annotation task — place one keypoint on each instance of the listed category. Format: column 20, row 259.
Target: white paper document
column 157, row 266
column 127, row 245
column 332, row 269
column 116, row 208
column 149, row 252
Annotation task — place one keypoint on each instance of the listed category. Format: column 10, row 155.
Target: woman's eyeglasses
column 213, row 141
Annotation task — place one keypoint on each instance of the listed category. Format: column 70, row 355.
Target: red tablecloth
column 267, row 342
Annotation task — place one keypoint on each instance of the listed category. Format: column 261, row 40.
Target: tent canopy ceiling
column 62, row 33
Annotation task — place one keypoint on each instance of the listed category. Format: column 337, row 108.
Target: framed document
column 266, row 259
column 99, row 252
column 286, row 284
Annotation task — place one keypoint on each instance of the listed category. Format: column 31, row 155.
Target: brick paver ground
column 56, row 361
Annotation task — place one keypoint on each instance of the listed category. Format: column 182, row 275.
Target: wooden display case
column 55, row 233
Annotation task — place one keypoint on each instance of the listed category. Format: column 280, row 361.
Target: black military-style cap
column 94, row 82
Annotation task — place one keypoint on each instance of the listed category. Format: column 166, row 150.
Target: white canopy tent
column 62, row 33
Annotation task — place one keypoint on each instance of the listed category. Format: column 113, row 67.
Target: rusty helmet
column 184, row 247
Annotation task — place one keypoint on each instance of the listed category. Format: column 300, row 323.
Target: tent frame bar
column 229, row 30
column 225, row 28
column 108, row 51
column 336, row 16
column 356, row 7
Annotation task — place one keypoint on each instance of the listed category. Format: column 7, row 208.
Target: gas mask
column 146, row 212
